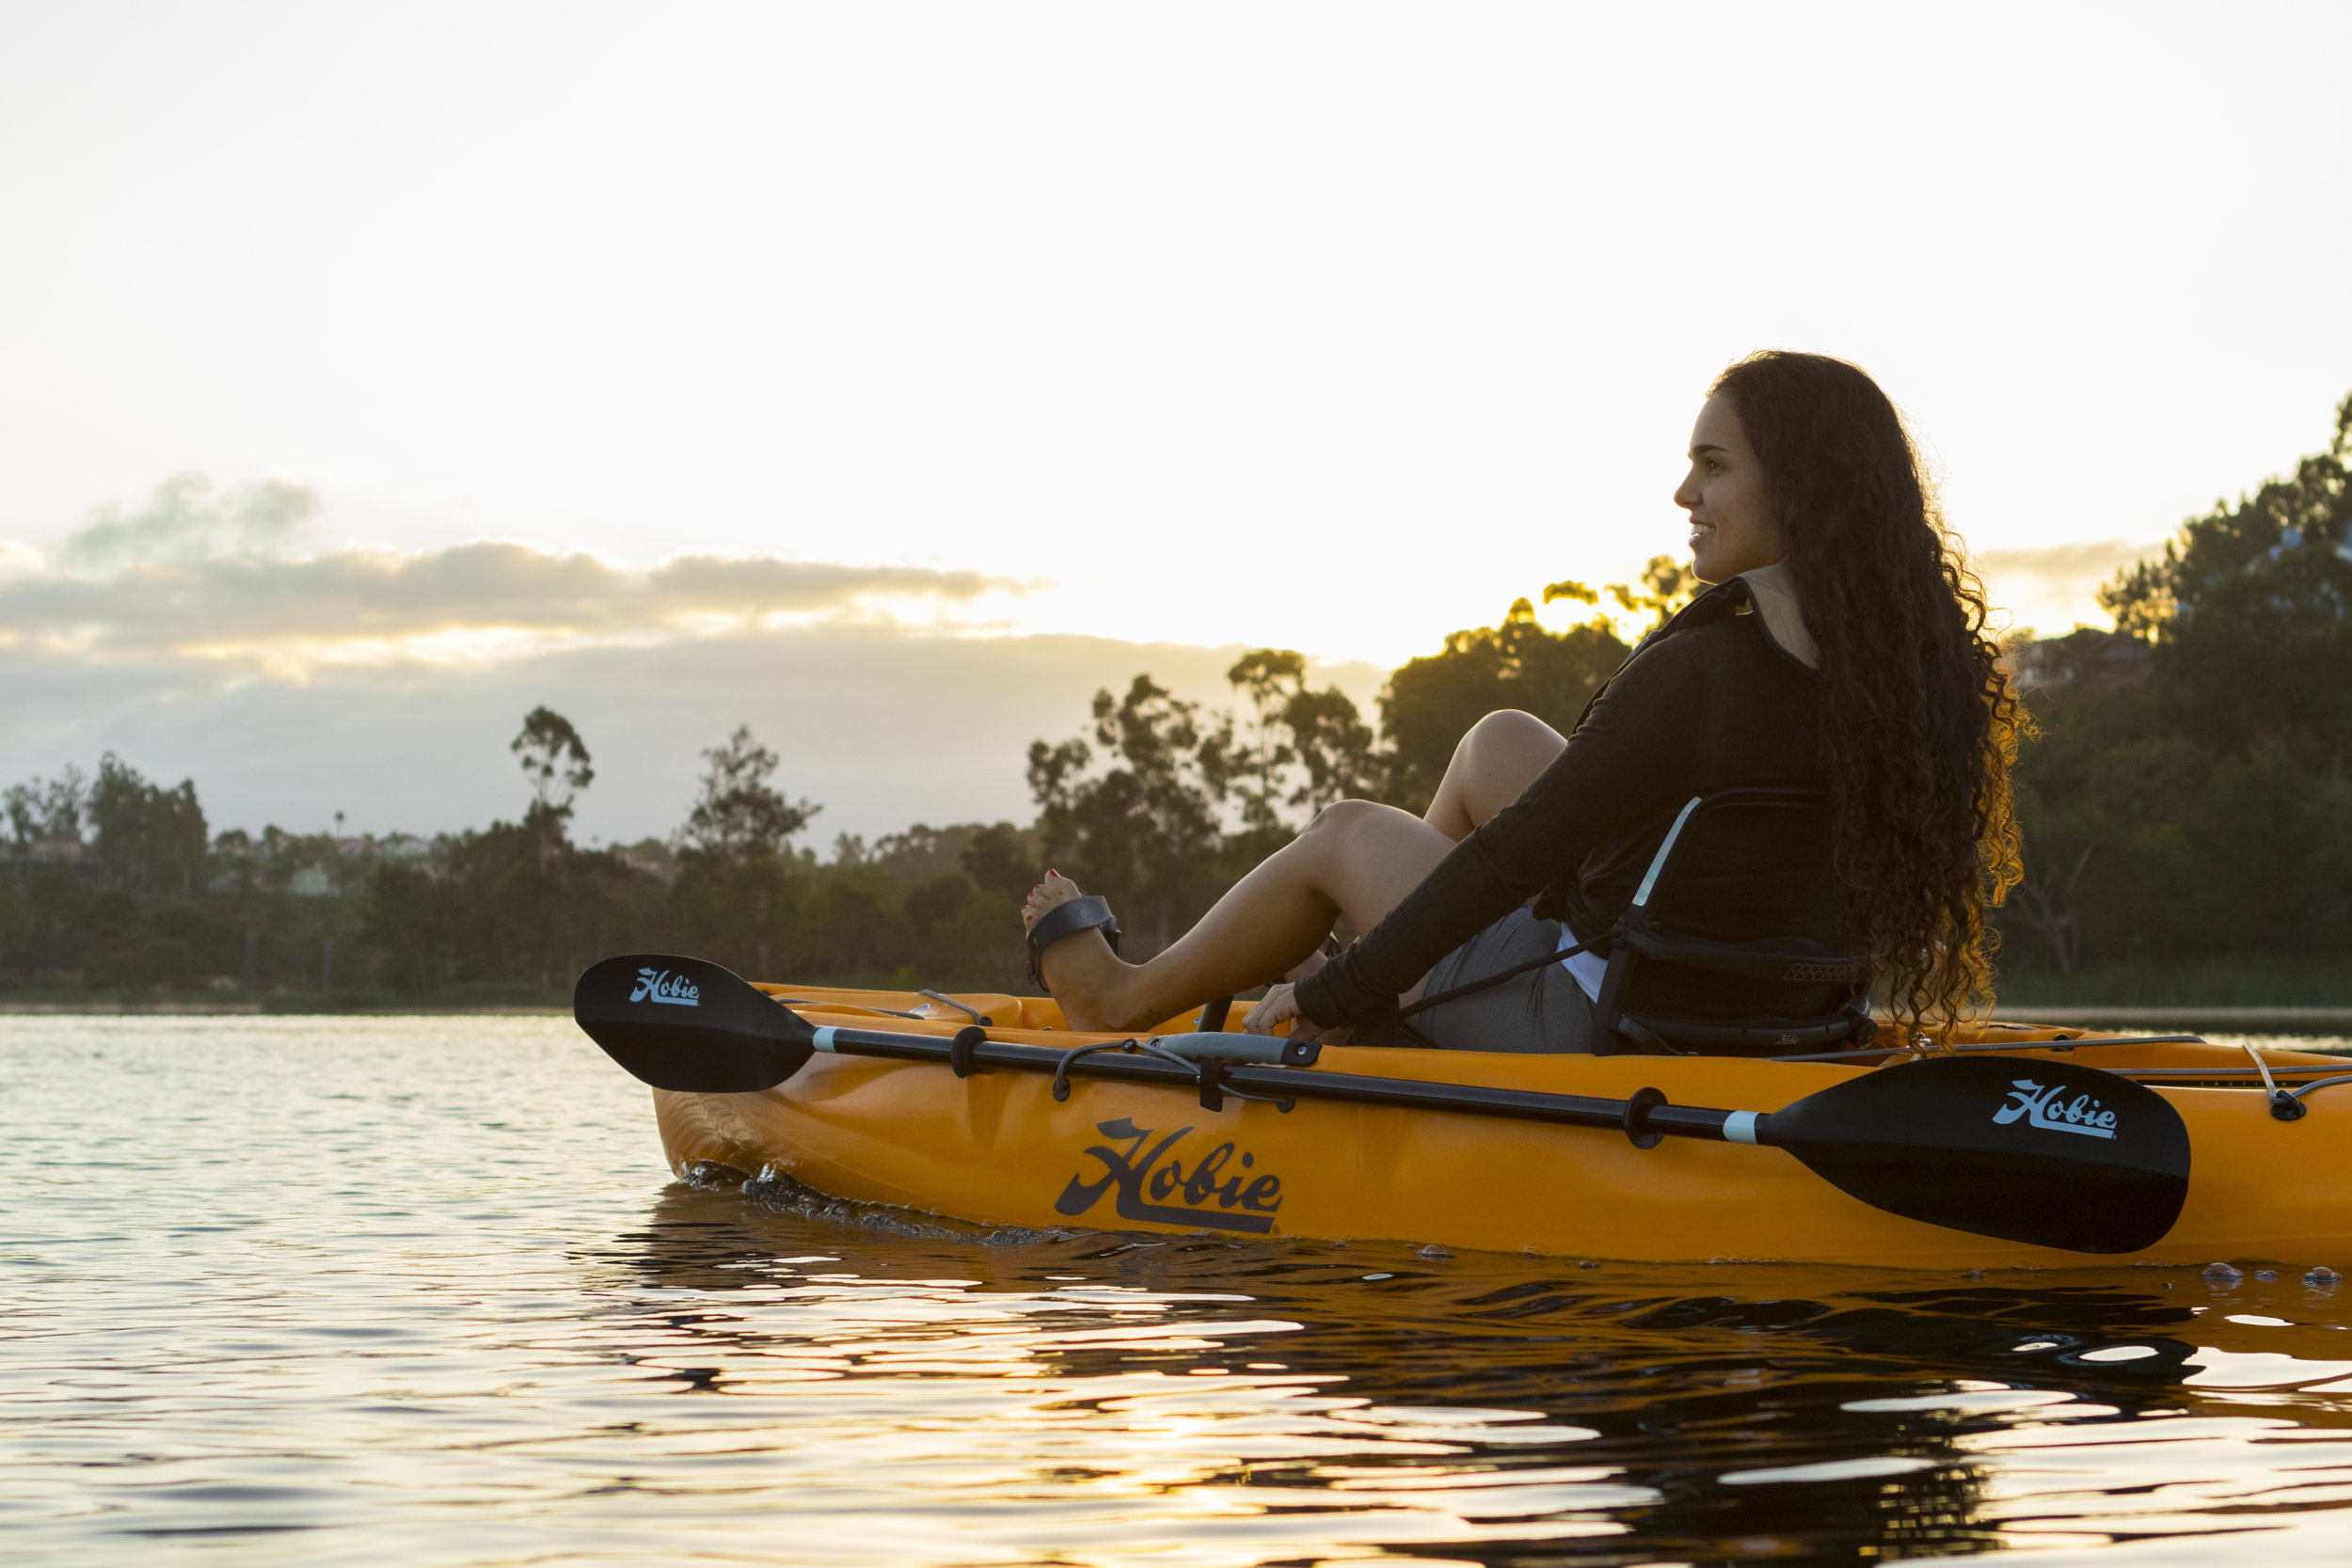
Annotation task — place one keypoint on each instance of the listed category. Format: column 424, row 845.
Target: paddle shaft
column 1569, row 1110
column 2021, row 1149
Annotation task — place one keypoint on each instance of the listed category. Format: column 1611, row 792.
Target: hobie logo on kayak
column 659, row 985
column 1147, row 1179
column 2041, row 1107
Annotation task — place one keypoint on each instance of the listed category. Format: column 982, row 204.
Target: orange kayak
column 997, row 1148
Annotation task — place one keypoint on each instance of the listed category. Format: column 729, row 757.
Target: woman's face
column 1735, row 526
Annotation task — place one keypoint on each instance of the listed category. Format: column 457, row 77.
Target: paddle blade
column 2021, row 1148
column 689, row 1024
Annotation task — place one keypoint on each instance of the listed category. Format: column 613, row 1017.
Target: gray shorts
column 1542, row 1010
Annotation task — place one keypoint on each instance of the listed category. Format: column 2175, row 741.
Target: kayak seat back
column 1733, row 944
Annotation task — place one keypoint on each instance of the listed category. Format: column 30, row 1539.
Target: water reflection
column 1549, row 1412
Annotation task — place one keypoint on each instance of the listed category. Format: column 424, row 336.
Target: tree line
column 113, row 886
column 2185, row 801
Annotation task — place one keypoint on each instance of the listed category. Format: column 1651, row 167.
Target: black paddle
column 2048, row 1153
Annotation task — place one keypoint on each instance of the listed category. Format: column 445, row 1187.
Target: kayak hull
column 996, row 1148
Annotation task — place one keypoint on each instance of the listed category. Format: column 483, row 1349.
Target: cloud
column 207, row 576
column 2094, row 562
column 362, row 597
column 188, row 639
column 186, row 522
column 2056, row 586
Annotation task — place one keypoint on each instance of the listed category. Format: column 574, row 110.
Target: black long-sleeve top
column 1711, row 701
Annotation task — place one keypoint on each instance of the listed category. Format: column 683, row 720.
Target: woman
column 1842, row 648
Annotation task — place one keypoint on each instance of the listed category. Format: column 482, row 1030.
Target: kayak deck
column 997, row 1147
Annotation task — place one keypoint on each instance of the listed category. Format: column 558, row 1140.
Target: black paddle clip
column 968, row 1039
column 1637, row 1109
column 1208, row 1072
column 1215, row 1085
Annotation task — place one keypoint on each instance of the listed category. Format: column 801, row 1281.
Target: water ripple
column 417, row 1291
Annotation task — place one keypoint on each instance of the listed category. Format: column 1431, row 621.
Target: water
column 418, row 1292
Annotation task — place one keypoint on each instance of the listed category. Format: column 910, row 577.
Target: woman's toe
column 1048, row 895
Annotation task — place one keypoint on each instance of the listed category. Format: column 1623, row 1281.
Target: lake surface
column 419, row 1291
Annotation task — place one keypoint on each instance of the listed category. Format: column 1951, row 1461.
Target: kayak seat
column 1732, row 945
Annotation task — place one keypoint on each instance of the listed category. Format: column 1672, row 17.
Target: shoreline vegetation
column 2224, row 995
column 2186, row 807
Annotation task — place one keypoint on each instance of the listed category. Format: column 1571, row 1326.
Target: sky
column 890, row 376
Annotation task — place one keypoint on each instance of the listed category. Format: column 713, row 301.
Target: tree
column 417, row 917
column 1431, row 702
column 738, row 816
column 2188, row 798
column 998, row 860
column 1145, row 833
column 554, row 758
column 1333, row 743
column 1669, row 585
column 2249, row 613
column 1267, row 677
column 47, row 817
column 149, row 839
column 1326, row 736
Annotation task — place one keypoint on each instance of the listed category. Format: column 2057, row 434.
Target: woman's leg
column 1492, row 767
column 1355, row 859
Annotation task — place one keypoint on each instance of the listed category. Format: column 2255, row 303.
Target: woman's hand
column 1276, row 1009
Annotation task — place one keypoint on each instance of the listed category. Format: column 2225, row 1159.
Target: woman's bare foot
column 1081, row 970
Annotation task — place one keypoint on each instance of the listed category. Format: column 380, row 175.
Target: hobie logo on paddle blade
column 1245, row 1201
column 2041, row 1107
column 659, row 985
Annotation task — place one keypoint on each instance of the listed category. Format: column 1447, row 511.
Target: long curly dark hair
column 1919, row 722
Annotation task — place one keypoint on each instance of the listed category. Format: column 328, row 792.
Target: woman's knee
column 1348, row 819
column 1506, row 744
column 1354, row 831
column 1510, row 729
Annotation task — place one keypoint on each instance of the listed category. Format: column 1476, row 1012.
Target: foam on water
column 418, row 1290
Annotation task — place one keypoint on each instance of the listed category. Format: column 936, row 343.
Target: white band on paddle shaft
column 824, row 1042
column 1740, row 1127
